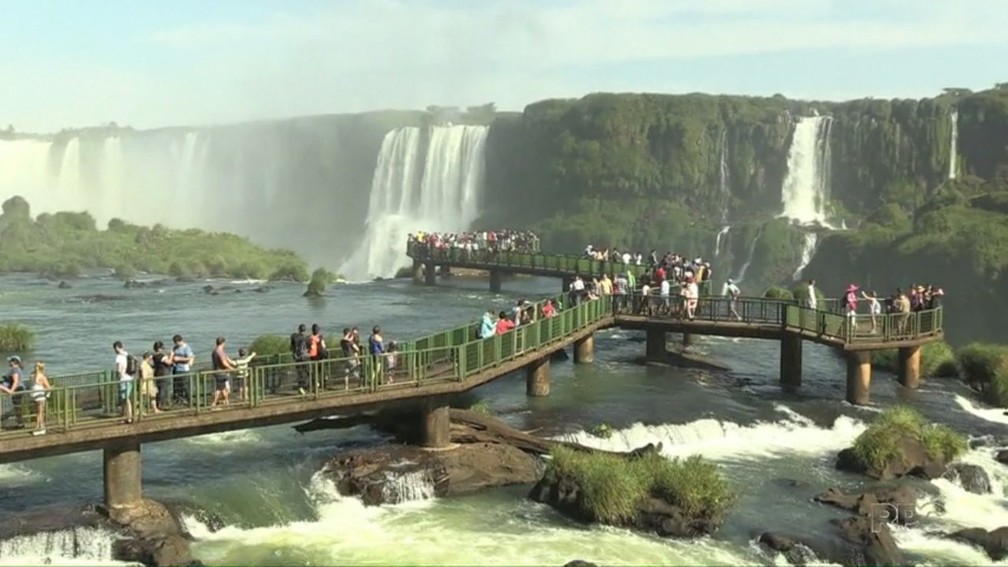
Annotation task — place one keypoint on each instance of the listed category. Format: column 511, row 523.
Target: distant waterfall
column 724, row 185
column 718, row 239
column 805, row 191
column 749, row 257
column 445, row 198
column 954, row 144
column 809, row 243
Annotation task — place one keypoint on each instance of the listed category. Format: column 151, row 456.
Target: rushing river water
column 264, row 482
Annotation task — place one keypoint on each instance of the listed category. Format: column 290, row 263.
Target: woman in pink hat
column 850, row 301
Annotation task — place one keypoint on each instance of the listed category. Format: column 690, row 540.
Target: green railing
column 789, row 315
column 556, row 263
column 93, row 399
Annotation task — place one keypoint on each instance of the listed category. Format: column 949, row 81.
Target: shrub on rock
column 15, row 337
column 776, row 292
column 644, row 490
column 900, row 443
column 985, row 368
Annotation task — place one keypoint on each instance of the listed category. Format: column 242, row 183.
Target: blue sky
column 151, row 63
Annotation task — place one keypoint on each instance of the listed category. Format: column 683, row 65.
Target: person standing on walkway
column 732, row 292
column 299, row 350
column 376, row 347
column 813, row 301
column 222, row 363
column 40, row 388
column 123, row 370
column 182, row 361
column 12, row 385
column 161, row 361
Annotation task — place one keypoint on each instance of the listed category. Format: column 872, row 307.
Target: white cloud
column 361, row 54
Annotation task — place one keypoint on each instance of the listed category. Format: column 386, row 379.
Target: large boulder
column 1001, row 456
column 389, row 475
column 994, row 542
column 796, row 551
column 872, row 542
column 972, row 478
column 911, row 458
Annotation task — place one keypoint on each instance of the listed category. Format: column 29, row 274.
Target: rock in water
column 887, row 505
column 994, row 542
column 1002, row 456
column 873, row 540
column 911, row 459
column 796, row 552
column 580, row 563
column 972, row 478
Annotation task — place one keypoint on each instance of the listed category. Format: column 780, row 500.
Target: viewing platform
column 84, row 410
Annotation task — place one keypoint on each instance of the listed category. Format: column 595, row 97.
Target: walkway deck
column 84, row 409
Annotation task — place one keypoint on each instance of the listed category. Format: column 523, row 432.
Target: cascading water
column 446, row 198
column 806, row 185
column 82, row 545
column 953, row 144
column 749, row 257
column 717, row 239
column 809, row 243
column 725, row 187
column 407, row 487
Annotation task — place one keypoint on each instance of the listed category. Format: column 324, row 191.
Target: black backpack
column 132, row 365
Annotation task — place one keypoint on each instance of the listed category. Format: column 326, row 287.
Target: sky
column 153, row 63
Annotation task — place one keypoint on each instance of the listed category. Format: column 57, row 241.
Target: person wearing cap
column 850, row 302
column 732, row 292
column 12, row 385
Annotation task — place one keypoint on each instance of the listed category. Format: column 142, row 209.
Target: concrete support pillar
column 909, row 366
column 687, row 339
column 791, row 363
column 655, row 344
column 123, row 474
column 584, row 350
column 418, row 272
column 537, row 378
column 495, row 281
column 436, row 423
column 430, row 273
column 859, row 377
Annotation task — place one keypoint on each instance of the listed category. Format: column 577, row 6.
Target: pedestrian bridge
column 83, row 412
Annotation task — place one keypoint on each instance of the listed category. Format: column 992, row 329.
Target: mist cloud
column 360, row 55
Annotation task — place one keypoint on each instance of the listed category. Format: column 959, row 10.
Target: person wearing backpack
column 126, row 368
column 299, row 348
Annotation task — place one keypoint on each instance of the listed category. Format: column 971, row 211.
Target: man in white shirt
column 125, row 380
column 732, row 292
column 665, row 291
column 812, row 300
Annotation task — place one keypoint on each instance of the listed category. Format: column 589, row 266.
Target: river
column 777, row 449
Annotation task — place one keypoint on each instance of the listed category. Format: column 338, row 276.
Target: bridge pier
column 436, row 423
column 687, row 339
column 430, row 273
column 584, row 350
column 909, row 367
column 859, row 377
column 418, row 271
column 537, row 378
column 655, row 344
column 495, row 281
column 123, row 473
column 791, row 363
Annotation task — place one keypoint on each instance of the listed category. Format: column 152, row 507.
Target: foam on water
column 77, row 546
column 226, row 437
column 724, row 440
column 16, row 475
column 429, row 532
column 993, row 415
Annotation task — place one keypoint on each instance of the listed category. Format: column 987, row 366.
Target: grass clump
column 879, row 444
column 938, row 360
column 613, row 486
column 270, row 345
column 777, row 292
column 15, row 337
column 602, row 430
column 481, row 408
column 985, row 368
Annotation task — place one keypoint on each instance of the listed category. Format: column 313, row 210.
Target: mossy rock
column 901, row 442
column 984, row 367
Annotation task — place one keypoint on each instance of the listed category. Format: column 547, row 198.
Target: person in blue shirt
column 488, row 326
column 182, row 360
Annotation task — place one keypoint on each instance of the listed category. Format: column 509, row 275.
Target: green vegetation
column 777, row 292
column 320, row 278
column 267, row 345
column 481, row 408
column 15, row 337
column 985, row 368
column 613, row 486
column 63, row 244
column 602, row 430
column 937, row 360
column 879, row 444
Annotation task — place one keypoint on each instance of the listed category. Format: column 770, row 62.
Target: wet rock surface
column 911, row 459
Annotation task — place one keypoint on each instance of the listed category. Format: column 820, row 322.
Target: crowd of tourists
column 476, row 243
column 903, row 302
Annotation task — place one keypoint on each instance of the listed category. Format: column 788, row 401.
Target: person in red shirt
column 548, row 310
column 504, row 324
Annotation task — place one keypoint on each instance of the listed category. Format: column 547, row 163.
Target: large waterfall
column 442, row 196
column 300, row 184
column 953, row 144
column 806, row 186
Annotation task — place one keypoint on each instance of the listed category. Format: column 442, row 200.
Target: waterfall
column 749, row 257
column 75, row 545
column 24, row 170
column 407, row 487
column 725, row 188
column 805, row 191
column 717, row 240
column 953, row 144
column 809, row 243
column 445, row 198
